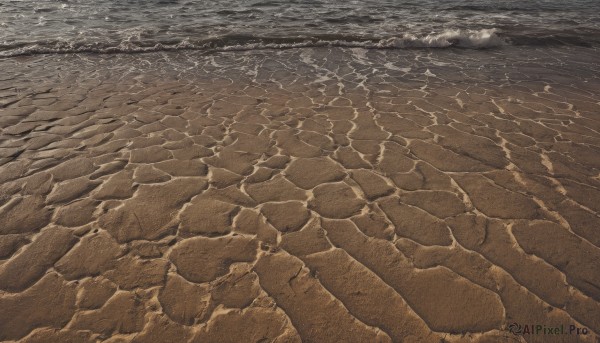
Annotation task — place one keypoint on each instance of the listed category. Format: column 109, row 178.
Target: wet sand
column 314, row 195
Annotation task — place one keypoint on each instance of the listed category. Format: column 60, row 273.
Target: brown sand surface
column 302, row 195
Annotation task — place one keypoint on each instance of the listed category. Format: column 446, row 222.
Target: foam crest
column 474, row 39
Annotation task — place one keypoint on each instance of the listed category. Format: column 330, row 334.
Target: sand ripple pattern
column 314, row 195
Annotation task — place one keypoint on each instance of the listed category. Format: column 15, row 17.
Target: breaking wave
column 462, row 39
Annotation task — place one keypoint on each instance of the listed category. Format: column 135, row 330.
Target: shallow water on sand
column 316, row 194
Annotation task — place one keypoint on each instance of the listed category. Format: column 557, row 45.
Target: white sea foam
column 485, row 38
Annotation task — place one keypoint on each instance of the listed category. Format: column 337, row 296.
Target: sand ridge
column 315, row 195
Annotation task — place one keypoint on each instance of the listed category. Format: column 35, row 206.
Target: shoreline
column 308, row 195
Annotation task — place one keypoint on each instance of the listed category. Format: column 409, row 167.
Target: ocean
column 44, row 26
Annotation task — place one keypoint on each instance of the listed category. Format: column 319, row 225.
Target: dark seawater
column 50, row 26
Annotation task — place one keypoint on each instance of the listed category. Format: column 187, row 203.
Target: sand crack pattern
column 315, row 195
